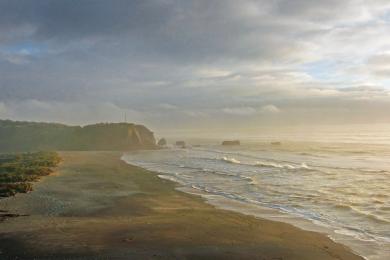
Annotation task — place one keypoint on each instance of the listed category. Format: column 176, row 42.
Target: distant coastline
column 16, row 136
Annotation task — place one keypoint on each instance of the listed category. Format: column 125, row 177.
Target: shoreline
column 101, row 206
column 271, row 214
column 222, row 197
column 358, row 247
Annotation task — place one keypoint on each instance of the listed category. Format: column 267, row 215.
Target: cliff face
column 31, row 136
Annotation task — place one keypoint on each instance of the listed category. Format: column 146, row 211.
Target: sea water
column 341, row 182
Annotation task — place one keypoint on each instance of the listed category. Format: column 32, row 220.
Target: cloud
column 71, row 113
column 168, row 106
column 379, row 65
column 240, row 111
column 270, row 109
column 195, row 114
column 3, row 110
column 170, row 62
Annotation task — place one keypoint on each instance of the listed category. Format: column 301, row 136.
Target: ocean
column 336, row 182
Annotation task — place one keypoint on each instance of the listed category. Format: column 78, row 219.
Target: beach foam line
column 282, row 166
column 230, row 160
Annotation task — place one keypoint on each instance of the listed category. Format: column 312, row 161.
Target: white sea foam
column 282, row 166
column 230, row 160
column 345, row 191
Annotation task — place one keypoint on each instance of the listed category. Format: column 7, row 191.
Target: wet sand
column 98, row 207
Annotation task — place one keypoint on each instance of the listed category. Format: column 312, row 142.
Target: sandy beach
column 98, row 207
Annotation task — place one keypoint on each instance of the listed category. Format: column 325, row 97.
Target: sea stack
column 231, row 142
column 162, row 142
column 181, row 144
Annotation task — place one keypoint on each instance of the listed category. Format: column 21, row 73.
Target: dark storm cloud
column 180, row 29
column 67, row 19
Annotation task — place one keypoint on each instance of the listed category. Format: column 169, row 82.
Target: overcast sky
column 181, row 64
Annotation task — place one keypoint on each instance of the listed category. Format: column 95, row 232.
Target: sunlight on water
column 339, row 184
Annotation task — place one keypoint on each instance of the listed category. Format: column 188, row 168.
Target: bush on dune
column 17, row 171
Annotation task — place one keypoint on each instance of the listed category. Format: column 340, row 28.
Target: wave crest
column 282, row 166
column 230, row 160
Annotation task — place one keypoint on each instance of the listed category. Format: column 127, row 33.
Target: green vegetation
column 32, row 136
column 17, row 171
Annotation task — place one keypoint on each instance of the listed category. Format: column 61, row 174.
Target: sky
column 204, row 64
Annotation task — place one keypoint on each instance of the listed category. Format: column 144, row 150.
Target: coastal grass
column 134, row 214
column 18, row 171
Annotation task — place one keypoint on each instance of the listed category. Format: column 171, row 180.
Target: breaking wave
column 230, row 160
column 282, row 166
